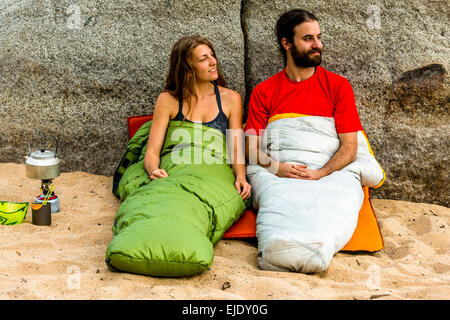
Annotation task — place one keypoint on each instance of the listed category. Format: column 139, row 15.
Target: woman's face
column 204, row 63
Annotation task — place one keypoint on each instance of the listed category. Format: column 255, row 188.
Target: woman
column 195, row 91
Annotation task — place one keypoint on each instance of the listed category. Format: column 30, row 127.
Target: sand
column 66, row 259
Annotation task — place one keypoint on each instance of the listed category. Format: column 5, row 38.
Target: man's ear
column 286, row 45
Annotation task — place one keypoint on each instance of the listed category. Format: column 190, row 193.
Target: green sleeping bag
column 168, row 227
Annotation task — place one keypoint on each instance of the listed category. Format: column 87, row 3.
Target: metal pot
column 42, row 165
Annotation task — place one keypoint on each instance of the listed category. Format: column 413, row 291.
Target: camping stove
column 44, row 165
column 52, row 198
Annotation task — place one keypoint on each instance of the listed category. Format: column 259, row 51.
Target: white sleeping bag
column 301, row 224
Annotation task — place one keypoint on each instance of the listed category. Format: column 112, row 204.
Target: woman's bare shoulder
column 166, row 97
column 231, row 101
column 229, row 95
column 167, row 102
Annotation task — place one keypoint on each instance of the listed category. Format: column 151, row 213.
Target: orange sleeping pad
column 366, row 237
column 245, row 227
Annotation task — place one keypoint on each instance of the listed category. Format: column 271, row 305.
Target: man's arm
column 258, row 115
column 255, row 155
column 343, row 156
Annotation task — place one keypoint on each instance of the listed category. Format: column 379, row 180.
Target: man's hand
column 343, row 156
column 310, row 174
column 287, row 170
column 299, row 171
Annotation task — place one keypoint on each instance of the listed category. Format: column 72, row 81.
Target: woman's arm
column 236, row 134
column 161, row 118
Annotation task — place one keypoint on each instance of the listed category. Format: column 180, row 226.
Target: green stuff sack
column 12, row 213
column 168, row 227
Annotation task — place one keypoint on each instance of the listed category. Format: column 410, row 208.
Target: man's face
column 306, row 49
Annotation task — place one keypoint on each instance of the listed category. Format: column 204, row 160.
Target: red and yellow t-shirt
column 324, row 94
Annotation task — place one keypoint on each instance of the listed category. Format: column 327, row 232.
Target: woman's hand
column 158, row 173
column 243, row 187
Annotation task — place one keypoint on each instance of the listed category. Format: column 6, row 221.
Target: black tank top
column 220, row 122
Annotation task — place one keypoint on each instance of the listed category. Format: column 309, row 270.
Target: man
column 306, row 177
column 302, row 88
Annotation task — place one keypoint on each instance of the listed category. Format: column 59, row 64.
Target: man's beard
column 302, row 59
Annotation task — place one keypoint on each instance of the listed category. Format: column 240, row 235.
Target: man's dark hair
column 286, row 24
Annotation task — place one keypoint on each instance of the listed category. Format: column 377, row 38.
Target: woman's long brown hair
column 180, row 79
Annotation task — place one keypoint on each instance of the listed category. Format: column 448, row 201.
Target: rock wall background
column 74, row 70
